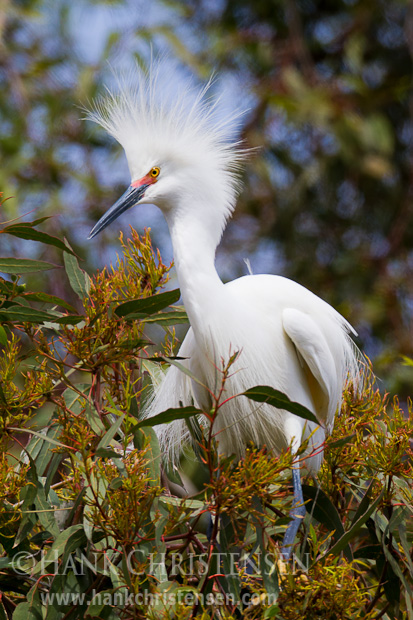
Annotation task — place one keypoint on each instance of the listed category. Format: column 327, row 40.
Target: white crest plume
column 157, row 118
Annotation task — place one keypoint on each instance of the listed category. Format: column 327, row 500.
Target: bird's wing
column 317, row 361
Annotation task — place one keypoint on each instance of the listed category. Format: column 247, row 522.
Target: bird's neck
column 194, row 244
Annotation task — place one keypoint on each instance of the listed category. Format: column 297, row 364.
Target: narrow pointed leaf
column 44, row 437
column 46, row 512
column 66, row 542
column 148, row 305
column 154, row 458
column 26, row 314
column 320, row 506
column 79, row 279
column 40, row 220
column 181, row 367
column 22, row 231
column 343, row 541
column 232, row 582
column 3, row 336
column 49, row 299
column 271, row 396
column 168, row 318
column 269, row 574
column 23, row 611
column 339, row 443
column 39, row 449
column 15, row 266
column 364, row 504
column 109, row 435
column 179, row 413
column 69, row 319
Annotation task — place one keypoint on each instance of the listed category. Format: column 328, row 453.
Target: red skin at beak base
column 146, row 180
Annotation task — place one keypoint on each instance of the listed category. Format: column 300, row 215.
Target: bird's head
column 180, row 154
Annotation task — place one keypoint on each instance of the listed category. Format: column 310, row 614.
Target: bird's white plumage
column 288, row 338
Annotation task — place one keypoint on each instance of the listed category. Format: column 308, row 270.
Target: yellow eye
column 154, row 172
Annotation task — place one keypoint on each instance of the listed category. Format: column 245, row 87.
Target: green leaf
column 154, row 458
column 79, row 279
column 148, row 305
column 106, row 453
column 67, row 542
column 402, row 530
column 53, row 465
column 273, row 611
column 68, row 319
column 345, row 538
column 3, row 336
column 271, row 396
column 96, row 607
column 24, row 611
column 28, row 521
column 46, row 512
column 23, row 231
column 196, row 506
column 2, row 395
column 178, row 413
column 17, row 266
column 168, row 318
column 49, row 299
column 339, row 443
column 25, row 314
column 321, row 507
column 228, row 552
column 181, row 367
column 269, row 574
column 45, row 437
column 392, row 596
column 78, row 501
column 364, row 504
column 109, row 435
column 39, row 449
column 40, row 220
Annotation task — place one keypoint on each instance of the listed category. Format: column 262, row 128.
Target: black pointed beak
column 125, row 202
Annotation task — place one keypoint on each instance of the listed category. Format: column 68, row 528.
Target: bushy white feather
column 155, row 127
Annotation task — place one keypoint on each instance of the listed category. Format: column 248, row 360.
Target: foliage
column 327, row 89
column 83, row 508
column 89, row 524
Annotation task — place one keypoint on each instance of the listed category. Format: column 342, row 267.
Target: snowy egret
column 182, row 158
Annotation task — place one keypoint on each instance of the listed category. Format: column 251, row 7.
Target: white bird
column 182, row 159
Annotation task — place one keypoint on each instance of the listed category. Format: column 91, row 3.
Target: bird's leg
column 297, row 514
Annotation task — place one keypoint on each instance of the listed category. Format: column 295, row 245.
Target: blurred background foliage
column 327, row 89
